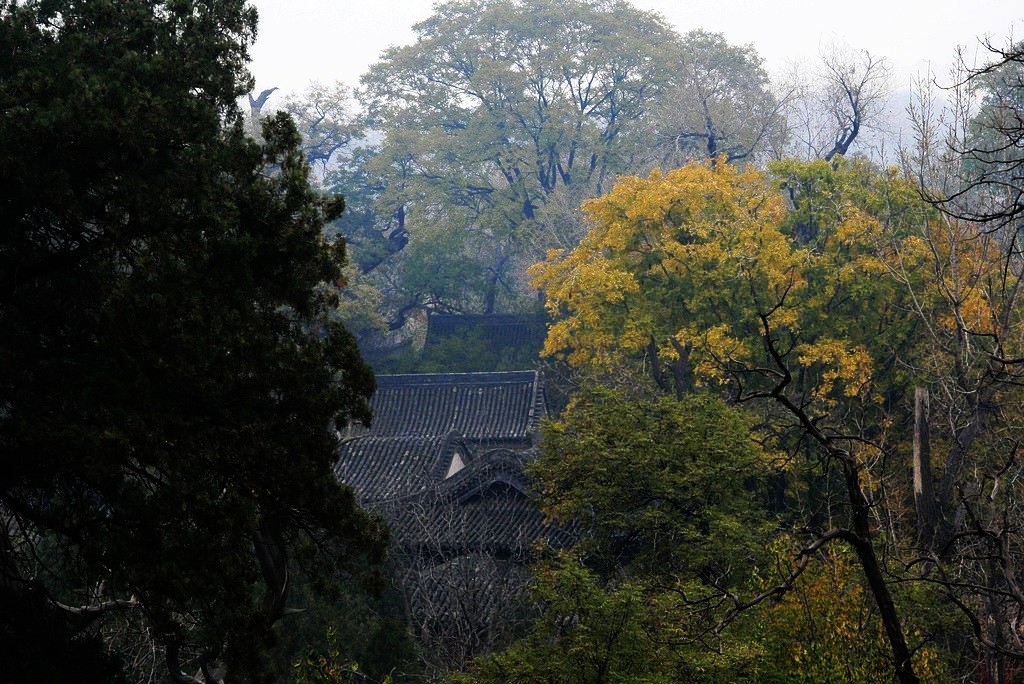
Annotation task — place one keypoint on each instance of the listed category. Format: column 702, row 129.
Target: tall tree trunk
column 924, row 495
column 865, row 550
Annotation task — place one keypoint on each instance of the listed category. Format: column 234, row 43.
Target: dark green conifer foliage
column 167, row 388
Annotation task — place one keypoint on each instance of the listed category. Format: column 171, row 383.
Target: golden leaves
column 843, row 366
column 708, row 258
column 664, row 248
column 694, row 244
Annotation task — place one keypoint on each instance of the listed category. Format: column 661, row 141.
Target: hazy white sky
column 329, row 40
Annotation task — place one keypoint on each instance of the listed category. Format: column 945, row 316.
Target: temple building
column 444, row 461
column 444, row 464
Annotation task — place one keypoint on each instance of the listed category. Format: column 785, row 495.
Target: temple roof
column 486, row 507
column 485, row 408
column 444, row 461
column 382, row 468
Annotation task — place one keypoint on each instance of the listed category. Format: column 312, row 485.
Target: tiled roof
column 485, row 469
column 487, row 408
column 401, row 466
column 486, row 507
column 381, row 468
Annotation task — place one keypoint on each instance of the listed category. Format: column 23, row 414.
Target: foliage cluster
column 168, row 379
column 818, row 296
column 478, row 141
column 754, row 348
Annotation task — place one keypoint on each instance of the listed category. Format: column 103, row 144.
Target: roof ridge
column 487, row 377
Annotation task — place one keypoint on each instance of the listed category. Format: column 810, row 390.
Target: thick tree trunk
column 657, row 372
column 681, row 376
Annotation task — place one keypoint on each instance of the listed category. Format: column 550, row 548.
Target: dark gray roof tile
column 399, row 466
column 384, row 468
column 488, row 408
column 485, row 507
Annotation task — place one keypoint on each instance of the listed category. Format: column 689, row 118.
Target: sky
column 301, row 41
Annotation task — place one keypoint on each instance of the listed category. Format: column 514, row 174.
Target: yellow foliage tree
column 774, row 288
column 686, row 270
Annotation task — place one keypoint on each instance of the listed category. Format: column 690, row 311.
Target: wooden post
column 924, row 495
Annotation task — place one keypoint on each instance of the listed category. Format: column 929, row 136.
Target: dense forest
column 786, row 361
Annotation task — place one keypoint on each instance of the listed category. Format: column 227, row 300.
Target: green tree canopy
column 664, row 496
column 657, row 486
column 504, row 111
column 720, row 103
column 793, row 292
column 991, row 145
column 677, row 556
column 497, row 105
column 167, row 390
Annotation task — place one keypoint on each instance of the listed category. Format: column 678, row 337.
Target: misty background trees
column 474, row 146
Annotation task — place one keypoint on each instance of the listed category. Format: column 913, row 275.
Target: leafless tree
column 828, row 113
column 990, row 141
column 966, row 159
